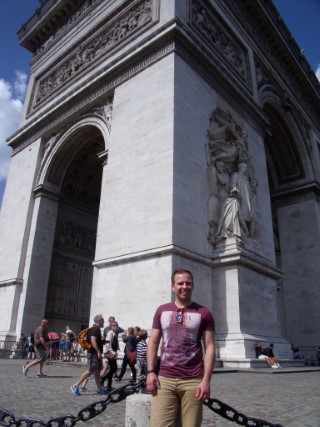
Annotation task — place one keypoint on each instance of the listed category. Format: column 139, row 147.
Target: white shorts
column 263, row 357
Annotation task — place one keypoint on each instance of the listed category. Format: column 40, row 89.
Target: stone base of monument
column 255, row 363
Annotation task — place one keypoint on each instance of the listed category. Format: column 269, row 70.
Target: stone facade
column 159, row 134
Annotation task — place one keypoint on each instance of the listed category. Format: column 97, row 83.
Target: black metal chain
column 232, row 415
column 8, row 419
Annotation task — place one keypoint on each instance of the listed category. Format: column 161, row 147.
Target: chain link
column 232, row 415
column 7, row 419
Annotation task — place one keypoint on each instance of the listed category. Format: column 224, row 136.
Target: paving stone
column 289, row 397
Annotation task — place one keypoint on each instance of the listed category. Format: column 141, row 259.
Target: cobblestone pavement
column 288, row 396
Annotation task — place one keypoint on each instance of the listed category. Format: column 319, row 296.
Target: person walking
column 23, row 340
column 94, row 357
column 40, row 342
column 130, row 355
column 111, row 355
column 184, row 376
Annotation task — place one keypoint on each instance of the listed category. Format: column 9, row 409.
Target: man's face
column 45, row 324
column 101, row 322
column 111, row 320
column 182, row 287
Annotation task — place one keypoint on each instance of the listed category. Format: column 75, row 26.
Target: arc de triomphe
column 159, row 134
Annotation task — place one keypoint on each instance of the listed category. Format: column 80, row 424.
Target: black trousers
column 109, row 375
column 125, row 363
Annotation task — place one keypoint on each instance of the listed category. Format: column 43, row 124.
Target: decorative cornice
column 236, row 257
column 291, row 196
column 76, row 16
column 230, row 252
column 170, row 250
column 42, row 191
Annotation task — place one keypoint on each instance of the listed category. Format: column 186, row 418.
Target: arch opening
column 78, row 170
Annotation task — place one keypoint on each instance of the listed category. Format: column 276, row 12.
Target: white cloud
column 11, row 104
column 318, row 72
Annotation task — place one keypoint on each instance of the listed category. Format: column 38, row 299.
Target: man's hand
column 153, row 383
column 203, row 390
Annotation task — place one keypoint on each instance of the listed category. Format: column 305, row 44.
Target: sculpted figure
column 229, row 223
column 232, row 206
column 219, row 183
column 248, row 205
column 227, row 139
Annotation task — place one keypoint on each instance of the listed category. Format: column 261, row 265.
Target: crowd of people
column 102, row 356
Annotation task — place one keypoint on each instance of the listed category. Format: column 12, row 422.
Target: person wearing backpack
column 94, row 357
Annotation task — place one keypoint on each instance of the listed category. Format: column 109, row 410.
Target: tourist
column 185, row 327
column 40, row 342
column 94, row 357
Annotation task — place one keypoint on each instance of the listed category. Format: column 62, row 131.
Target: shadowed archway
column 70, row 280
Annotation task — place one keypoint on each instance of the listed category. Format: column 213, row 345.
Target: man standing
column 184, row 376
column 94, row 356
column 40, row 342
column 118, row 330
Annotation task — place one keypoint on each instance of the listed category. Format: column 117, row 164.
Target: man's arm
column 152, row 379
column 203, row 389
column 95, row 346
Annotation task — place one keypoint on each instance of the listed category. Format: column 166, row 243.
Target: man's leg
column 191, row 407
column 164, row 406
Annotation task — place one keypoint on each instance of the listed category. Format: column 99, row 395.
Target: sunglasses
column 179, row 316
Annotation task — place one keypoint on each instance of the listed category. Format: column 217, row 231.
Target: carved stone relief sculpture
column 207, row 22
column 232, row 206
column 89, row 51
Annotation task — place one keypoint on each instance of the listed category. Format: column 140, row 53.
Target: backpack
column 82, row 339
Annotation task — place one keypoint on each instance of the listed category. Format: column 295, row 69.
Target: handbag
column 132, row 356
column 110, row 355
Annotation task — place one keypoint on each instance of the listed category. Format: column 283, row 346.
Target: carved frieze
column 90, row 50
column 75, row 237
column 208, row 24
column 84, row 9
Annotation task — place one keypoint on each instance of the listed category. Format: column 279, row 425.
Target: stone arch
column 59, row 149
column 289, row 170
column 73, row 170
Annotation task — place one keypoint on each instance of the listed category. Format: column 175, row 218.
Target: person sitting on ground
column 260, row 355
column 268, row 351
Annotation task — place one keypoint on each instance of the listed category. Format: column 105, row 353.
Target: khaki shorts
column 41, row 353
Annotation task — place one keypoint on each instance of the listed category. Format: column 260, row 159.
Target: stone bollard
column 138, row 408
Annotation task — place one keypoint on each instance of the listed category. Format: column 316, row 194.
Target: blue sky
column 302, row 18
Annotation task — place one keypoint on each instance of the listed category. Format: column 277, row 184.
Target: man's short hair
column 180, row 271
column 97, row 318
